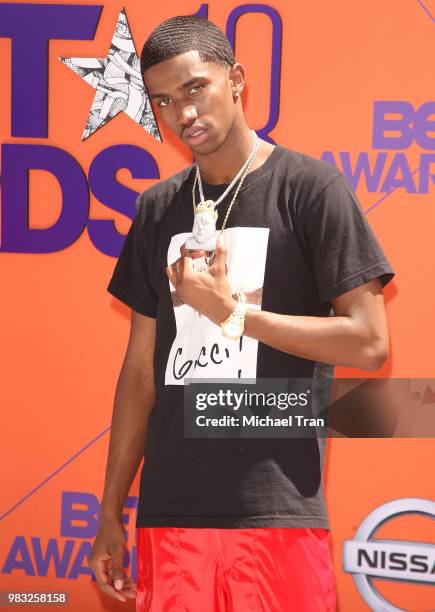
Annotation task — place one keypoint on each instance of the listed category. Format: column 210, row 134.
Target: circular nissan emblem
column 367, row 558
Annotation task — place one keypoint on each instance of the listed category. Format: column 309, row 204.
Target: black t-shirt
column 296, row 238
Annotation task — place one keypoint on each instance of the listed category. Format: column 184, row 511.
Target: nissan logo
column 366, row 557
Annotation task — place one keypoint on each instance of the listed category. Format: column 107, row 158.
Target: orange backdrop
column 64, row 336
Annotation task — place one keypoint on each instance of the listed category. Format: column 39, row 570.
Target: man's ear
column 237, row 77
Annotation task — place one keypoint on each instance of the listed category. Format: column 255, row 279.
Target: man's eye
column 164, row 102
column 196, row 89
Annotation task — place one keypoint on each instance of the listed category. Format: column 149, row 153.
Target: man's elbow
column 376, row 354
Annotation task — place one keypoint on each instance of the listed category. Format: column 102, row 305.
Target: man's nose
column 186, row 114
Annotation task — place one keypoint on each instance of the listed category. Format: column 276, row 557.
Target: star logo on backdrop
column 118, row 83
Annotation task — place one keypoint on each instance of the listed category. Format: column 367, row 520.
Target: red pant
column 234, row 570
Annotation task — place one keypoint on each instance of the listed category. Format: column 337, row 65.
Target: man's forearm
column 134, row 399
column 338, row 340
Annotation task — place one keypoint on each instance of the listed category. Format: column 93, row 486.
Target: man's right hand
column 107, row 558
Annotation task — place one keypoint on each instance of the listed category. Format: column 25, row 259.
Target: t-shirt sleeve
column 343, row 249
column 130, row 281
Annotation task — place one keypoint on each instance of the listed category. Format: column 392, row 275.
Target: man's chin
column 206, row 148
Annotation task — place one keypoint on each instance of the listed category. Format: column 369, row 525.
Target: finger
column 196, row 254
column 130, row 584
column 219, row 263
column 130, row 588
column 179, row 266
column 101, row 569
column 192, row 253
column 170, row 273
column 118, row 570
column 175, row 272
column 110, row 590
column 104, row 578
column 185, row 264
column 127, row 581
column 184, row 251
column 118, row 580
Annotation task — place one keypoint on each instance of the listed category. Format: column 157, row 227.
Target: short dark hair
column 186, row 33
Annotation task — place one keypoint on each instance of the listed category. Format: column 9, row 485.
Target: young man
column 226, row 523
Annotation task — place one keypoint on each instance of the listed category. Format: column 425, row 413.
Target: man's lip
column 194, row 130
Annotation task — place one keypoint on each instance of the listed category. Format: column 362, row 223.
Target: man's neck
column 223, row 165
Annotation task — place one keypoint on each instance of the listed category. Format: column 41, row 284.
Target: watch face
column 232, row 330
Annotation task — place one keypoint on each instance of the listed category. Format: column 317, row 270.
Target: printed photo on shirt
column 199, row 349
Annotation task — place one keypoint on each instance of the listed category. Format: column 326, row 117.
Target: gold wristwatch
column 234, row 325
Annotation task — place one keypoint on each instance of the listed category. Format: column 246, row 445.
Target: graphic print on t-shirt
column 200, row 350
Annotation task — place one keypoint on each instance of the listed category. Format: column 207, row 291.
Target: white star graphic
column 118, row 83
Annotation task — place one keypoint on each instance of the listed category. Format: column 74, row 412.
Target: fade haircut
column 186, row 33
